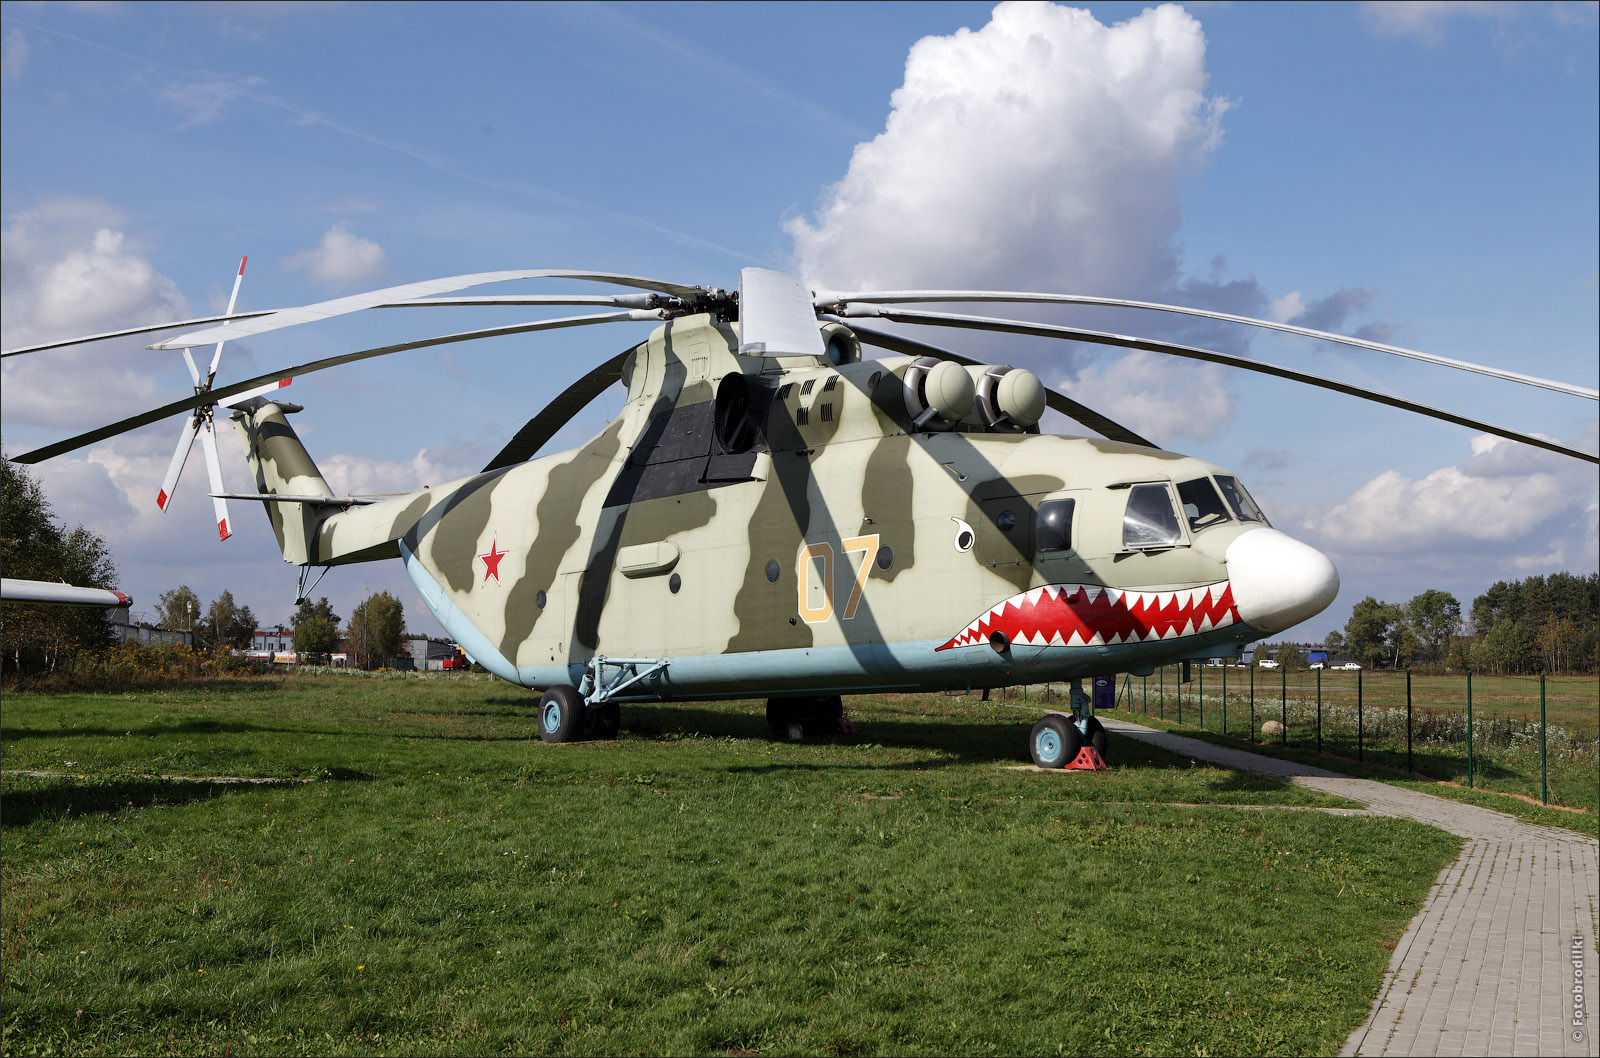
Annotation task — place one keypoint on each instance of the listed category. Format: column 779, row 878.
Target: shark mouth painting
column 1072, row 615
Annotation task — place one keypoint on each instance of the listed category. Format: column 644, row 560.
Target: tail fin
column 281, row 465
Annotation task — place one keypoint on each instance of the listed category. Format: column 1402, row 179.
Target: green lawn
column 446, row 883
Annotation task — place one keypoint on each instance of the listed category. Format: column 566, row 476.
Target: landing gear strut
column 1057, row 739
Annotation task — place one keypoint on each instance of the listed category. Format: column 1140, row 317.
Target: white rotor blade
column 147, row 329
column 194, row 369
column 42, row 591
column 219, row 506
column 906, row 297
column 169, row 484
column 216, row 357
column 260, row 391
column 386, row 297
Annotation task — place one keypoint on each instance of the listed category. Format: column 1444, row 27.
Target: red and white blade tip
column 161, row 499
column 242, row 260
column 223, row 532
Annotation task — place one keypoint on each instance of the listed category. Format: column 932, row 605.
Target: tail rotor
column 200, row 424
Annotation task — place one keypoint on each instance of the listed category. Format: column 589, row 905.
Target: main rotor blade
column 216, row 357
column 221, row 394
column 197, row 321
column 1073, row 334
column 877, row 297
column 323, row 310
column 623, row 301
column 543, row 426
column 1056, row 401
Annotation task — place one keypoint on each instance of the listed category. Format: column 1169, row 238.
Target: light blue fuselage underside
column 863, row 668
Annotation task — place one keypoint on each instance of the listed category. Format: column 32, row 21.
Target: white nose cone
column 1278, row 581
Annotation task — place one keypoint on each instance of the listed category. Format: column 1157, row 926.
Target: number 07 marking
column 867, row 546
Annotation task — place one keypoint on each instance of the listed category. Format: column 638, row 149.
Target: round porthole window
column 885, row 557
column 1007, row 521
column 539, row 600
column 773, row 570
column 674, row 583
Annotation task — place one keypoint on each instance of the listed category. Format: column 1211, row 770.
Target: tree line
column 35, row 638
column 1542, row 624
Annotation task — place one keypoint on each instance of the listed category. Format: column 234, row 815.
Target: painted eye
column 964, row 535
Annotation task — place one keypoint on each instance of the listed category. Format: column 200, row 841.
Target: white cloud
column 1426, row 19
column 1507, row 502
column 202, row 101
column 1043, row 151
column 356, row 475
column 1144, row 392
column 342, row 258
column 68, row 270
column 13, row 55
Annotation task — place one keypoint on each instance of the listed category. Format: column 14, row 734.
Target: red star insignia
column 491, row 562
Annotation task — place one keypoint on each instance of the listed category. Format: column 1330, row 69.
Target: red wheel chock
column 1087, row 760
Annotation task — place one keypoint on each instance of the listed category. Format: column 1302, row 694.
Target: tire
column 820, row 716
column 1097, row 738
column 780, row 712
column 1055, row 741
column 562, row 714
column 605, row 721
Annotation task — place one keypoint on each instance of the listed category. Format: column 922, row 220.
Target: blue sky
column 1421, row 171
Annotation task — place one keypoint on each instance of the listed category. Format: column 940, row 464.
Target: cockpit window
column 1054, row 531
column 1150, row 520
column 1240, row 500
column 1201, row 504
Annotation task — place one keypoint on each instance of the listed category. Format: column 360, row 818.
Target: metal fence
column 1532, row 736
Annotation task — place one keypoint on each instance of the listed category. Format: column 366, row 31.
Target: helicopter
column 774, row 515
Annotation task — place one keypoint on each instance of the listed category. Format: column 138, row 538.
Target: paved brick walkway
column 1487, row 966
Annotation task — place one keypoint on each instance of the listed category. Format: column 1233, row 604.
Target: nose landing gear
column 1070, row 741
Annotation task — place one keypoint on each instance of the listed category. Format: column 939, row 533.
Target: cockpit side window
column 1240, row 500
column 1201, row 504
column 1054, row 526
column 1150, row 520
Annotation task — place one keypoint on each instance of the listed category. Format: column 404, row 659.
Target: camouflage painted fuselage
column 833, row 549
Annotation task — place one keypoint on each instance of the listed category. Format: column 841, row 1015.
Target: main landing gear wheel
column 562, row 714
column 1055, row 741
column 791, row 719
column 605, row 721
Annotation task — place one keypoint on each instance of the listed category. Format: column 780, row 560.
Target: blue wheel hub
column 550, row 716
column 1048, row 746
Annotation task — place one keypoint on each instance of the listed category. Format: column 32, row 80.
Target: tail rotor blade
column 208, row 440
column 180, row 455
column 216, row 357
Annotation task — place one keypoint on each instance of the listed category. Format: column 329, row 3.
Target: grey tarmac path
column 1504, row 943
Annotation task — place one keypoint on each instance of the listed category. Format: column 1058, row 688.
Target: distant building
column 139, row 628
column 430, row 654
column 274, row 640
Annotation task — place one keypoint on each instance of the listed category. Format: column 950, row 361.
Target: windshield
column 1240, row 500
column 1150, row 520
column 1201, row 504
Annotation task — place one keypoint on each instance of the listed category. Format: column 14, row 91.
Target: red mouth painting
column 1070, row 615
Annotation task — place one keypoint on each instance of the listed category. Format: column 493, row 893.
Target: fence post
column 1469, row 729
column 1252, row 703
column 1161, row 691
column 1146, row 681
column 1360, row 727
column 1409, row 768
column 1319, row 710
column 1180, row 692
column 1202, row 697
column 1224, row 697
column 1544, row 755
column 1283, row 703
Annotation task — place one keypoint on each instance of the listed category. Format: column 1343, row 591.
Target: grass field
column 434, row 879
column 1509, row 753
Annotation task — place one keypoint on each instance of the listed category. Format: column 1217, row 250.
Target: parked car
column 1316, row 665
column 1269, row 664
column 1350, row 666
